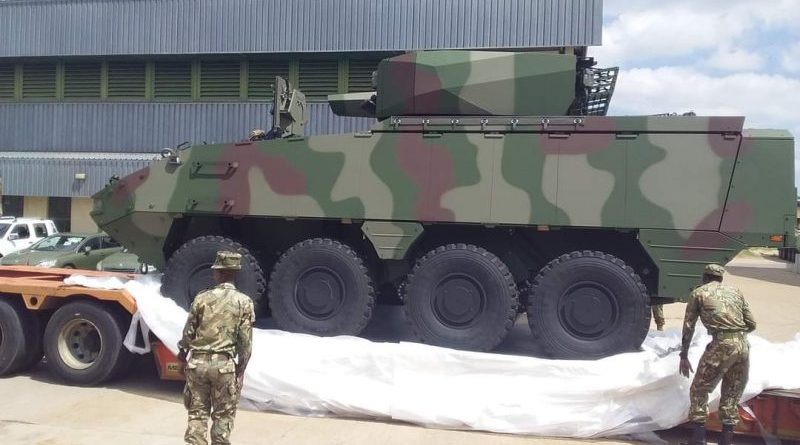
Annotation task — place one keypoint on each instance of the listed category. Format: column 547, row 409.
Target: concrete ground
column 141, row 409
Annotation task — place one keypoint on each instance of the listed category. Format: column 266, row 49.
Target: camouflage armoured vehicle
column 491, row 183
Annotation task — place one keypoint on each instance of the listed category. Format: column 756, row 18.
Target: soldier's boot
column 727, row 435
column 698, row 434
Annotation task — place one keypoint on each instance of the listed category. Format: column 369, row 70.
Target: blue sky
column 713, row 57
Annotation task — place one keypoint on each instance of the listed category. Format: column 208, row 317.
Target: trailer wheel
column 461, row 296
column 188, row 270
column 19, row 342
column 587, row 305
column 83, row 343
column 321, row 286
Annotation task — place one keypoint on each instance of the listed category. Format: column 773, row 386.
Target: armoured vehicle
column 491, row 184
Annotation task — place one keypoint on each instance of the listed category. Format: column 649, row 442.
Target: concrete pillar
column 79, row 216
column 34, row 207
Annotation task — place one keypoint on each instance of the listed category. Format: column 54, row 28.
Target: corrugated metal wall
column 56, row 177
column 125, row 27
column 144, row 127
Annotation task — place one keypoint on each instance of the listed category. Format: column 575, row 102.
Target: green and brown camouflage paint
column 695, row 189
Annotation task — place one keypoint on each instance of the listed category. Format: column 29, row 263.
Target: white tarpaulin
column 438, row 387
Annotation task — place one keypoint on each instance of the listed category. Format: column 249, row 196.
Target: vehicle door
column 89, row 253
column 109, row 246
column 39, row 231
column 20, row 236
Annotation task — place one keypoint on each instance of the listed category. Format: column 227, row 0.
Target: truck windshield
column 4, row 229
column 58, row 243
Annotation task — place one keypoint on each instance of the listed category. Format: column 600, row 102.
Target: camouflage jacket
column 220, row 320
column 721, row 308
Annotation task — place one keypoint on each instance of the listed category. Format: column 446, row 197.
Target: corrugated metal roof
column 138, row 27
column 144, row 127
column 56, row 177
column 94, row 156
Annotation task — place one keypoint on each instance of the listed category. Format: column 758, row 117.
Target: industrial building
column 93, row 88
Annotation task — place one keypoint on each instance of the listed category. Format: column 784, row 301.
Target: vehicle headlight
column 47, row 263
column 99, row 266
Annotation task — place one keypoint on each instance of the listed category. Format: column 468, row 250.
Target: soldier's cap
column 714, row 270
column 257, row 132
column 227, row 260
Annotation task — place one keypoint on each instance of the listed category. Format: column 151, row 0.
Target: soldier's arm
column 190, row 328
column 244, row 340
column 749, row 321
column 689, row 322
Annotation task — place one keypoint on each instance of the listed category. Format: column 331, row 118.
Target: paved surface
column 35, row 410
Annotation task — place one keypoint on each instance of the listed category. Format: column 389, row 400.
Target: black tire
column 34, row 333
column 321, row 286
column 83, row 343
column 461, row 296
column 18, row 336
column 588, row 305
column 188, row 270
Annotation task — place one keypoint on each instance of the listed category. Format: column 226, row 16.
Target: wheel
column 68, row 266
column 83, row 343
column 20, row 337
column 321, row 286
column 188, row 270
column 587, row 305
column 34, row 332
column 461, row 296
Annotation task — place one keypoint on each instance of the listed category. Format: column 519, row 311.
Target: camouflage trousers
column 658, row 316
column 211, row 391
column 726, row 358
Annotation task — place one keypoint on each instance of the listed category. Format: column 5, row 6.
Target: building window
column 6, row 81
column 220, row 79
column 127, row 80
column 261, row 77
column 59, row 210
column 359, row 75
column 12, row 206
column 319, row 78
column 173, row 80
column 82, row 80
column 39, row 81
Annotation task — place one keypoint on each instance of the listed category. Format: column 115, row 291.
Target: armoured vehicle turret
column 491, row 184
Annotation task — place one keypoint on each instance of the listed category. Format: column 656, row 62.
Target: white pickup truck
column 19, row 233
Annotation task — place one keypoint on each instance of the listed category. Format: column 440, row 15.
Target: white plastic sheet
column 438, row 387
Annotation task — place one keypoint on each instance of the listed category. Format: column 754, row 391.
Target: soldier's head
column 713, row 272
column 257, row 135
column 226, row 266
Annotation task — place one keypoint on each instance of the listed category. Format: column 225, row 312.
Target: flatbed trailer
column 79, row 330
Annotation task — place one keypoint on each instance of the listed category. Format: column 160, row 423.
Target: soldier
column 725, row 313
column 658, row 316
column 219, row 328
column 258, row 135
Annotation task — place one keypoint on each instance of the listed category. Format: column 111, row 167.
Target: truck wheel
column 587, row 305
column 461, row 296
column 188, row 270
column 19, row 342
column 321, row 286
column 83, row 343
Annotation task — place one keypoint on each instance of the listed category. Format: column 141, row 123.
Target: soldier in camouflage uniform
column 658, row 316
column 219, row 328
column 725, row 313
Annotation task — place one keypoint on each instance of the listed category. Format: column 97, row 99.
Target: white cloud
column 790, row 58
column 656, row 31
column 736, row 59
column 764, row 99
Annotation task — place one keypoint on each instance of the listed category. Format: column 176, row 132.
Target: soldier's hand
column 240, row 381
column 686, row 367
